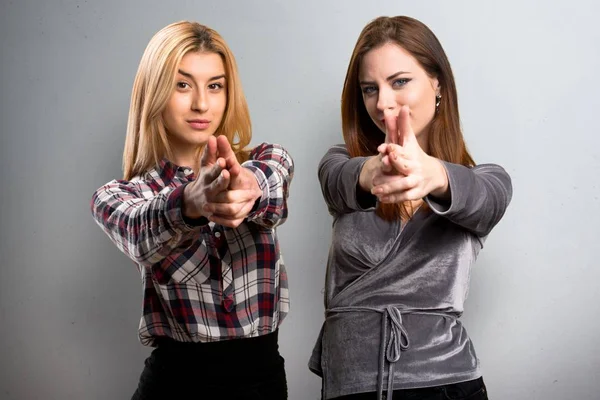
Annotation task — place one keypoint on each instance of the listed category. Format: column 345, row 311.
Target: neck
column 185, row 156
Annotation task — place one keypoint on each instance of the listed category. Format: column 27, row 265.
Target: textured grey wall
column 527, row 76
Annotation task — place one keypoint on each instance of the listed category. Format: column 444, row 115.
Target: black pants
column 241, row 369
column 470, row 390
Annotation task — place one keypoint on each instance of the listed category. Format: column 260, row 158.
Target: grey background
column 527, row 75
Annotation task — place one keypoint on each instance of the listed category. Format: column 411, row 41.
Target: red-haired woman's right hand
column 372, row 168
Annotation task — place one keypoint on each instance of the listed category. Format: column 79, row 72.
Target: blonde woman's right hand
column 213, row 178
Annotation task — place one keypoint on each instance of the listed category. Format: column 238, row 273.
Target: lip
column 199, row 124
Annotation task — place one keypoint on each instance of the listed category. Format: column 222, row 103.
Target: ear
column 435, row 85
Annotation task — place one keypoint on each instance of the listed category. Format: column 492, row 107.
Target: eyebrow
column 388, row 78
column 187, row 74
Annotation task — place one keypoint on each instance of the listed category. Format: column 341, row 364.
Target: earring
column 438, row 100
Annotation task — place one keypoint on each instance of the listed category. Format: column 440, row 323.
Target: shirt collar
column 167, row 168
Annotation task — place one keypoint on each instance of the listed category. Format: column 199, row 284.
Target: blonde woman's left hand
column 412, row 173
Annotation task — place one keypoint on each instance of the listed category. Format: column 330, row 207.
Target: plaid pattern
column 202, row 282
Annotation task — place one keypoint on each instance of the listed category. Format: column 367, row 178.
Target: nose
column 200, row 100
column 386, row 101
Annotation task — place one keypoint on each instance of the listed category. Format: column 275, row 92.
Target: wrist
column 440, row 188
column 365, row 178
column 251, row 176
column 189, row 208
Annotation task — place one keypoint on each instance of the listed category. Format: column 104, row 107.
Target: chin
column 199, row 138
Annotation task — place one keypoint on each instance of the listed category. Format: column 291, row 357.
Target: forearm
column 439, row 181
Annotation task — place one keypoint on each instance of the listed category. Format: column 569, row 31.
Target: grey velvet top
column 394, row 291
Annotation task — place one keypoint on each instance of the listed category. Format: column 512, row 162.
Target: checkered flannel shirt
column 202, row 281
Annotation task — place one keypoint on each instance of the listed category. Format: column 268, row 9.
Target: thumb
column 406, row 134
column 209, row 154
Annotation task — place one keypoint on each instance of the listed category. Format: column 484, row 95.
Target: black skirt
column 248, row 369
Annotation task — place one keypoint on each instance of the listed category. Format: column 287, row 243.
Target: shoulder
column 340, row 148
column 493, row 169
column 138, row 186
column 270, row 152
column 336, row 151
column 116, row 187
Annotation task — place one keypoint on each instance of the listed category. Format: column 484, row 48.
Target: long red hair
column 362, row 136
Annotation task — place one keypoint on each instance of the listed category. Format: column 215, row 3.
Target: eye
column 368, row 90
column 183, row 85
column 400, row 82
column 216, row 86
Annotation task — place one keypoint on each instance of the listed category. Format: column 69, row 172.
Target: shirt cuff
column 175, row 215
column 261, row 204
column 365, row 201
column 457, row 175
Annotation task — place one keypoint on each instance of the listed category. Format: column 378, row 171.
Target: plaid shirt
column 202, row 281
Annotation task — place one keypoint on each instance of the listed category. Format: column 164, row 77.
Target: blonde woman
column 197, row 212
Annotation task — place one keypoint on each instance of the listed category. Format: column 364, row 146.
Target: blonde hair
column 147, row 142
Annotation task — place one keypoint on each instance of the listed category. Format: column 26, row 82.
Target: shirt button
column 228, row 304
column 217, row 234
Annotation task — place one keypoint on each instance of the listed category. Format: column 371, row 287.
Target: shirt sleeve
column 338, row 176
column 479, row 196
column 273, row 168
column 146, row 229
